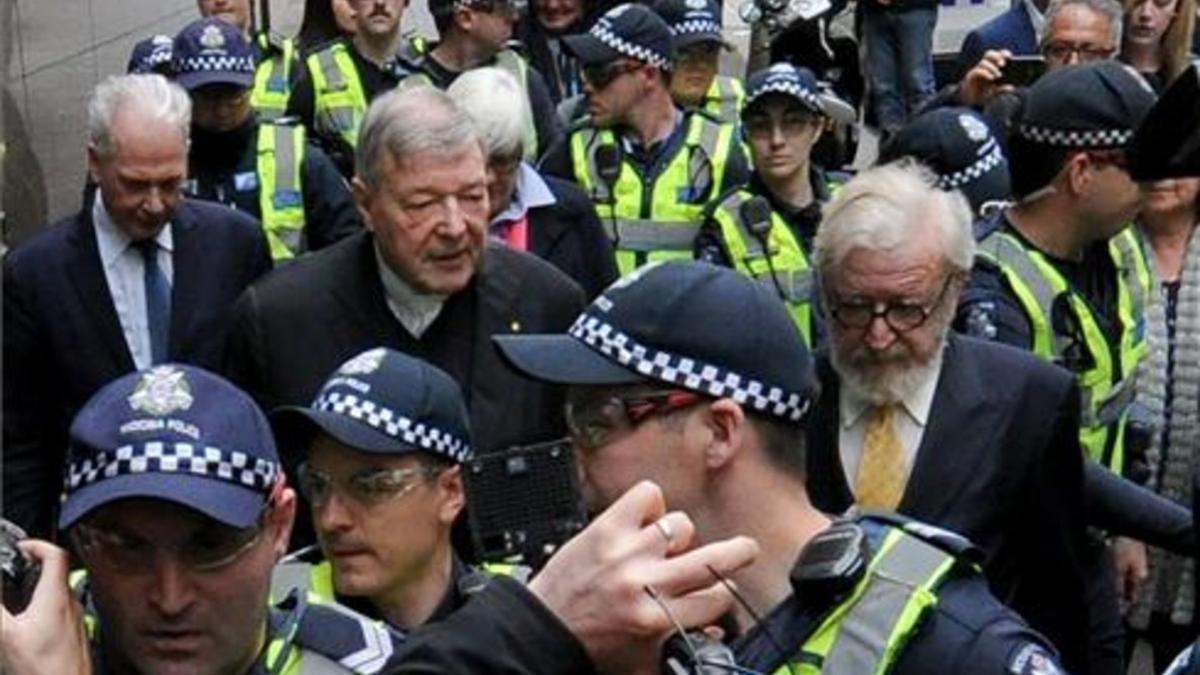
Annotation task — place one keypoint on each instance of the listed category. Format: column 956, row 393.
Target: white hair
column 1109, row 9
column 153, row 94
column 883, row 208
column 497, row 105
column 407, row 121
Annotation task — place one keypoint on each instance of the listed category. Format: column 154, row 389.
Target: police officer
column 650, row 168
column 277, row 61
column 696, row 37
column 476, row 33
column 341, row 78
column 961, row 150
column 268, row 169
column 695, row 377
column 1061, row 273
column 151, row 55
column 765, row 228
column 177, row 507
column 364, row 474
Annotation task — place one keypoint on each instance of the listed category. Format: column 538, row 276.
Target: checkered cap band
column 693, row 26
column 230, row 466
column 972, row 173
column 393, row 424
column 216, row 64
column 792, row 89
column 1064, row 138
column 158, row 56
column 602, row 32
column 687, row 372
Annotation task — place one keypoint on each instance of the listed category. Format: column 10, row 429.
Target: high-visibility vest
column 279, row 162
column 1106, row 381
column 725, row 98
column 867, row 632
column 272, row 76
column 339, row 98
column 783, row 266
column 658, row 221
column 512, row 62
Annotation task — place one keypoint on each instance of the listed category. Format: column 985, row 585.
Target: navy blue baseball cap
column 960, row 148
column 176, row 433
column 690, row 21
column 799, row 83
column 151, row 55
column 697, row 326
column 212, row 51
column 383, row 402
column 630, row 30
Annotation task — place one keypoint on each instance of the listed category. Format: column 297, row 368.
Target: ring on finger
column 664, row 528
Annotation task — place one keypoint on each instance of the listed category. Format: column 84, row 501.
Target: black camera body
column 20, row 572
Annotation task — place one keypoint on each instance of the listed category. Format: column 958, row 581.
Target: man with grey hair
column 546, row 216
column 138, row 277
column 422, row 280
column 973, row 437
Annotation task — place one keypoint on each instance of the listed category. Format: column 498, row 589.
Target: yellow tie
column 881, row 471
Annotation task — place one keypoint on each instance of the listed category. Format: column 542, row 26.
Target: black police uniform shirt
column 541, row 106
column 650, row 162
column 223, row 168
column 967, row 631
column 302, row 102
column 990, row 310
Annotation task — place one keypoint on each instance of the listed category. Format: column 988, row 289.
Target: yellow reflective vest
column 272, row 76
column 725, row 98
column 339, row 98
column 279, row 163
column 781, row 265
column 660, row 220
column 1106, row 369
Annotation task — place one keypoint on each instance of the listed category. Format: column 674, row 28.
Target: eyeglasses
column 1063, row 51
column 899, row 316
column 593, row 424
column 791, row 123
column 210, row 550
column 601, row 75
column 369, row 487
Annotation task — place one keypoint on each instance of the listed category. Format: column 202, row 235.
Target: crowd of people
column 938, row 415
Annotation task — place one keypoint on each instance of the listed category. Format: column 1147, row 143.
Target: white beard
column 888, row 383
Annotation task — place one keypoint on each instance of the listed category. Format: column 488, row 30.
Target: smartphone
column 20, row 573
column 1023, row 70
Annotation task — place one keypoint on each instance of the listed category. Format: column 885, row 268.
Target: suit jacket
column 1000, row 463
column 1012, row 30
column 295, row 328
column 568, row 235
column 63, row 340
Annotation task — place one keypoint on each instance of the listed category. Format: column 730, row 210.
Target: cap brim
column 227, row 503
column 993, row 186
column 561, row 359
column 193, row 81
column 296, row 426
column 680, row 41
column 589, row 49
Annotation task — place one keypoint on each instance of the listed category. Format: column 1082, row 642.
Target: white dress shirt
column 855, row 413
column 414, row 310
column 125, row 271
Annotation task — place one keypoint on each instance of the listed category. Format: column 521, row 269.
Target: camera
column 20, row 572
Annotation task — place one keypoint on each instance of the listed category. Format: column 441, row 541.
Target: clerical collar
column 414, row 310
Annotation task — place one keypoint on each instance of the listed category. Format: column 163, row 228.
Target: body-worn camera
column 20, row 572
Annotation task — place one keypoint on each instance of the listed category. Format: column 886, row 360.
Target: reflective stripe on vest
column 785, row 257
column 1107, row 387
column 281, row 196
column 868, row 631
column 315, row 581
column 272, row 78
column 339, row 100
column 724, row 98
column 659, row 222
column 516, row 66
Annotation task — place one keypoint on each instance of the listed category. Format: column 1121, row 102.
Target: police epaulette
column 950, row 542
column 988, row 224
column 360, row 644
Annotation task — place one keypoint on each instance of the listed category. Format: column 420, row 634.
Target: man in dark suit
column 961, row 434
column 422, row 281
column 139, row 276
column 1018, row 30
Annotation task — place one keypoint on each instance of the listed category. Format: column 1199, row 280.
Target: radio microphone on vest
column 608, row 166
column 756, row 217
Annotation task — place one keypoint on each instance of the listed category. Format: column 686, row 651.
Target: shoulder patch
column 1033, row 659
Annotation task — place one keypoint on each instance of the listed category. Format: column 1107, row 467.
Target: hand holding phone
column 1022, row 71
